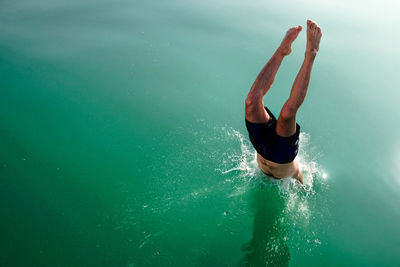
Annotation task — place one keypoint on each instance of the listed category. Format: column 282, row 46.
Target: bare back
column 278, row 170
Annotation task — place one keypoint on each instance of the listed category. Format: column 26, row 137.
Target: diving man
column 277, row 140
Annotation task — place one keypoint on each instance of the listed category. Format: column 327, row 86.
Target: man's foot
column 313, row 37
column 286, row 46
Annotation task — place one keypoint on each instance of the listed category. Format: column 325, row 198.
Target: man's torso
column 278, row 170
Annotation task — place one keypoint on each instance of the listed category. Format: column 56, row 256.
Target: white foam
column 246, row 161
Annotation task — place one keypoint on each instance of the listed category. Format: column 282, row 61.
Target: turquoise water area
column 122, row 136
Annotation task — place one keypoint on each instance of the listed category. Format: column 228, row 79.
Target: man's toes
column 291, row 30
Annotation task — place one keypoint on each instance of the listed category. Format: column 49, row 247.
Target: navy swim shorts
column 269, row 144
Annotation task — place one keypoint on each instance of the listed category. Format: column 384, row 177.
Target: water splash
column 298, row 199
column 244, row 164
column 246, row 160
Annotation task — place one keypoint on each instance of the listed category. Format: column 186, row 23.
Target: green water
column 123, row 143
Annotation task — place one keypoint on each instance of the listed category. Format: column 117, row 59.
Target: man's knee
column 249, row 102
column 288, row 111
column 253, row 101
column 252, row 104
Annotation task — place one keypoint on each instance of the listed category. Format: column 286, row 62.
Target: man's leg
column 255, row 111
column 286, row 125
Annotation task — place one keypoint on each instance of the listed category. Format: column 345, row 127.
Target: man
column 277, row 141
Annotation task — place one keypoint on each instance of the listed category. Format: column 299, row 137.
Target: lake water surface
column 122, row 136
